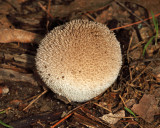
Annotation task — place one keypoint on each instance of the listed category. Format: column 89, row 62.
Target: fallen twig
column 131, row 83
column 46, row 10
column 61, row 120
column 103, row 107
column 18, row 35
column 86, row 121
column 132, row 13
column 138, row 22
column 33, row 101
column 122, row 100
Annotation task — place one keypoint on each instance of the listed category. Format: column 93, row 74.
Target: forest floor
column 133, row 101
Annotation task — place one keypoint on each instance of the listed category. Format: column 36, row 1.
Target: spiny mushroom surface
column 79, row 60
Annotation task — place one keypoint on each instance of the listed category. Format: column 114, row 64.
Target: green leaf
column 2, row 112
column 155, row 22
column 145, row 47
column 154, row 19
column 6, row 125
column 130, row 111
column 156, row 37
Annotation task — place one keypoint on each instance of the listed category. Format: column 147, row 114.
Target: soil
column 136, row 90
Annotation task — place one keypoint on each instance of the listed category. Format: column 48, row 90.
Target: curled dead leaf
column 113, row 118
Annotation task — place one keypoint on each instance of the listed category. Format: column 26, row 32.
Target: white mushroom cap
column 79, row 60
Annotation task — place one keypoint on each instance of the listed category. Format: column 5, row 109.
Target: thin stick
column 31, row 98
column 122, row 101
column 69, row 114
column 139, row 74
column 33, row 101
column 87, row 14
column 130, row 74
column 121, row 117
column 49, row 7
column 127, row 125
column 133, row 13
column 138, row 22
column 48, row 12
column 103, row 107
column 138, row 44
column 101, row 8
column 45, row 9
column 130, row 42
column 149, row 59
column 61, row 120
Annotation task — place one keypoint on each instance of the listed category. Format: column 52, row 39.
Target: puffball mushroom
column 79, row 60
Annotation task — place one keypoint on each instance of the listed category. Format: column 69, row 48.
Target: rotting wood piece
column 10, row 75
column 24, row 61
column 29, row 121
column 24, row 58
column 13, row 67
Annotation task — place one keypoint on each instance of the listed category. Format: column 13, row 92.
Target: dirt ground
column 133, row 101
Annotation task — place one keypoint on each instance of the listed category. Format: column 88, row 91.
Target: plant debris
column 113, row 118
column 147, row 108
column 24, row 102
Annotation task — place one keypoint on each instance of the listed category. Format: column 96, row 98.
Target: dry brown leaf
column 147, row 108
column 4, row 22
column 113, row 118
column 156, row 73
